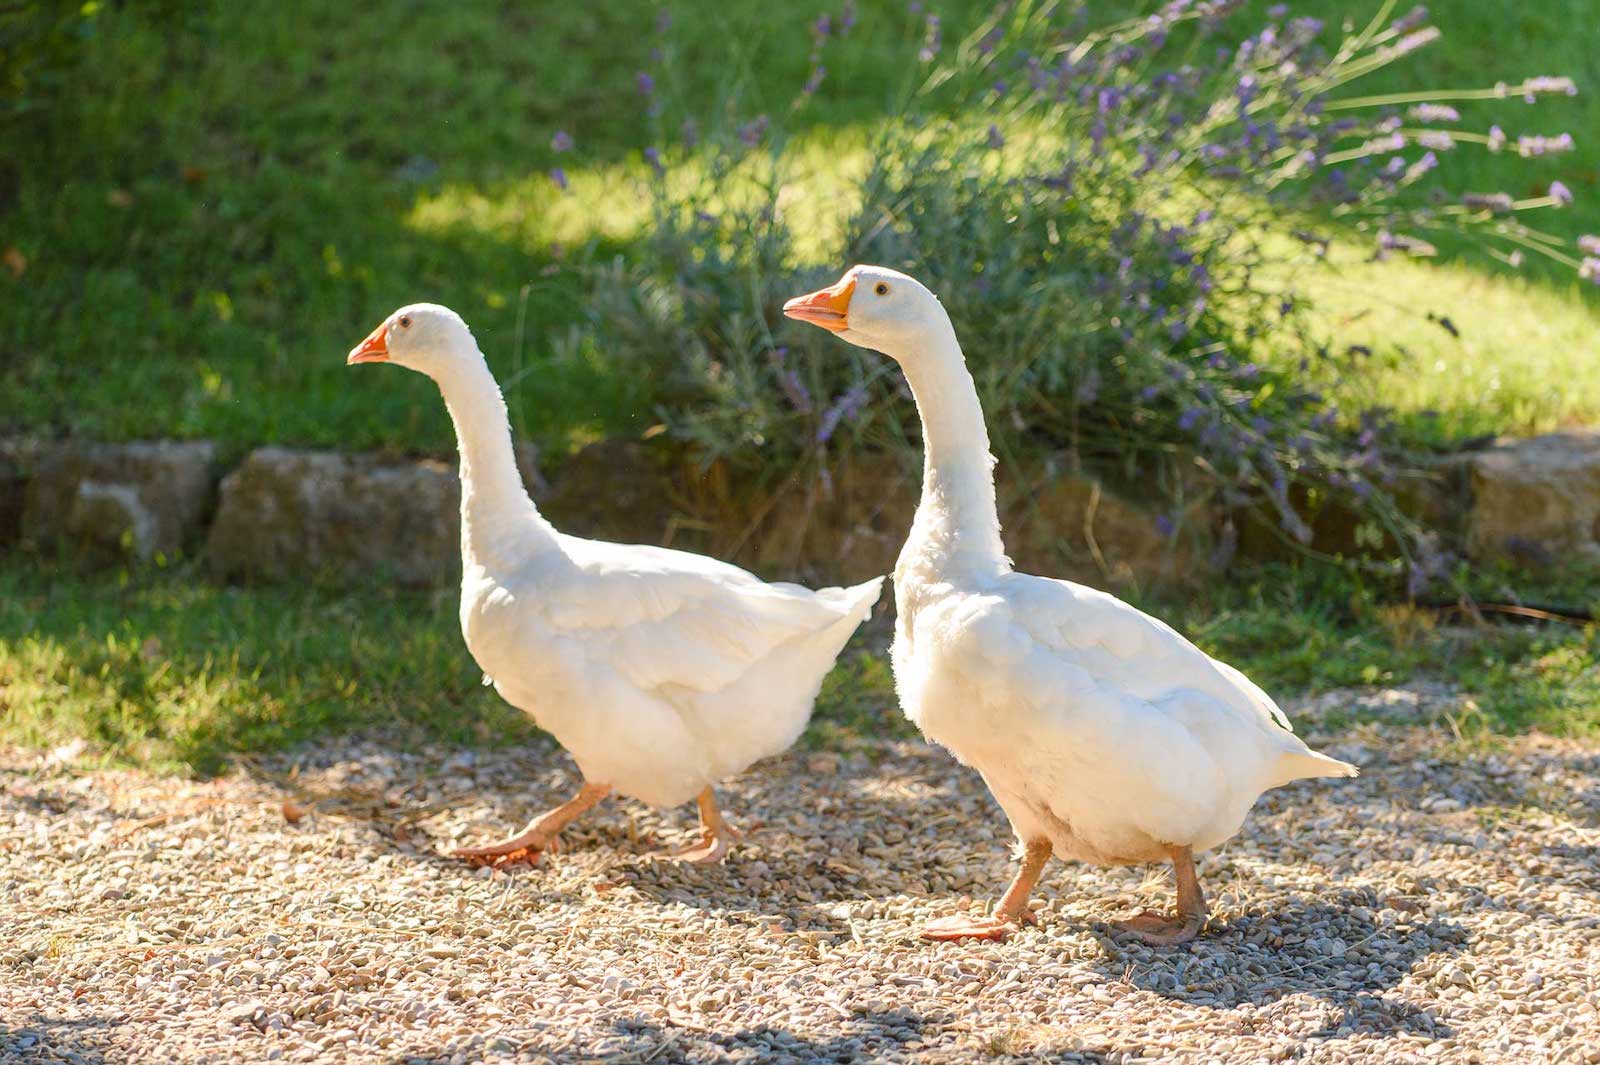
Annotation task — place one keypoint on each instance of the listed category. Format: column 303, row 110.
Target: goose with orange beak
column 1105, row 736
column 661, row 672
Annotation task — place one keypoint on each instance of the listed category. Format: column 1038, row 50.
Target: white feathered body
column 661, row 672
column 1095, row 725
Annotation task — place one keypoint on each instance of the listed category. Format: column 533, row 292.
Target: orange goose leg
column 1160, row 930
column 527, row 845
column 716, row 835
column 1013, row 907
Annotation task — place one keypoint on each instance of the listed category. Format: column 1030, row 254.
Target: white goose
column 661, row 672
column 1104, row 735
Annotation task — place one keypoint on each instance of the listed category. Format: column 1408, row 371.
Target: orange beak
column 827, row 307
column 373, row 349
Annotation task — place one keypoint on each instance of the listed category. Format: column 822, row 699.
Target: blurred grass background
column 217, row 211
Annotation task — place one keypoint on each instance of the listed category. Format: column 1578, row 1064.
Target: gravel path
column 1445, row 906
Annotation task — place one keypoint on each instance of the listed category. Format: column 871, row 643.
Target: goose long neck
column 957, row 525
column 499, row 523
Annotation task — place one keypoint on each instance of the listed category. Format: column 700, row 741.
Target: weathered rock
column 286, row 513
column 1537, row 500
column 620, row 490
column 111, row 519
column 18, row 458
column 850, row 527
column 1071, row 525
column 140, row 498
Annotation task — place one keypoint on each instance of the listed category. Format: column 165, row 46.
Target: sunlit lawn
column 168, row 670
column 217, row 216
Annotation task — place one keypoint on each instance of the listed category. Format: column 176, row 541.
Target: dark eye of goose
column 405, row 321
column 881, row 288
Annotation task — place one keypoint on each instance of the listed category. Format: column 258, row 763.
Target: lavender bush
column 1114, row 218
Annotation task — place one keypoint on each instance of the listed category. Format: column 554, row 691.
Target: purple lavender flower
column 1191, row 415
column 932, row 40
column 752, row 132
column 823, row 27
column 1277, row 11
column 663, row 21
column 1497, row 138
column 1514, row 260
column 1394, row 142
column 561, row 142
column 1303, row 30
column 1533, row 87
column 1498, row 202
column 1148, row 393
column 1165, row 526
column 1411, row 42
column 1589, row 245
column 559, row 176
column 814, row 81
column 1561, row 194
column 1589, row 270
column 1420, row 167
column 842, row 409
column 1530, row 147
column 1435, row 113
column 995, row 140
column 645, row 82
column 1410, row 20
column 793, row 388
column 653, row 157
column 1436, row 139
column 999, row 88
column 1089, row 388
column 847, row 16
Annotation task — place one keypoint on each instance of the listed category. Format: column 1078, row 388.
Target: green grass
column 165, row 670
column 215, row 216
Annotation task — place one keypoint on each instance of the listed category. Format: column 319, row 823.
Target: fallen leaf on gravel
column 293, row 812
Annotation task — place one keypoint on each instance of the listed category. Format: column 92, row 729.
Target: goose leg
column 1160, row 930
column 1013, row 907
column 715, row 835
column 540, row 833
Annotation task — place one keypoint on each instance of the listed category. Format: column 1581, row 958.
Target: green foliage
column 40, row 40
column 217, row 207
column 1118, row 242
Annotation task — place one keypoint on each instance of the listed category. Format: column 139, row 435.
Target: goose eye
column 881, row 289
column 405, row 321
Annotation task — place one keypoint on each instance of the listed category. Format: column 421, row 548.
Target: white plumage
column 1104, row 735
column 661, row 672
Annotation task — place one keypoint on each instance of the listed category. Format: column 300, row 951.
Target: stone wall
column 285, row 514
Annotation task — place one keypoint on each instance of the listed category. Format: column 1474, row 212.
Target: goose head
column 875, row 307
column 424, row 337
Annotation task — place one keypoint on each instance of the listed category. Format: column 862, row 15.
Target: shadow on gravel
column 1331, row 950
column 867, row 1036
column 53, row 1039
